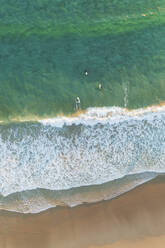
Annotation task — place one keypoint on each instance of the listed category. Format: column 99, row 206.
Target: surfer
column 99, row 86
column 77, row 103
column 85, row 73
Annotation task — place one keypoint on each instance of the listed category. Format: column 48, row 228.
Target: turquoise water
column 46, row 47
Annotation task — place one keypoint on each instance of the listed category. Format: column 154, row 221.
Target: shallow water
column 37, row 200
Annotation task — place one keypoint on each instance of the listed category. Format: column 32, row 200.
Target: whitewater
column 63, row 154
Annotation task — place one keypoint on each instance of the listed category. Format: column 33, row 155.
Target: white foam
column 102, row 115
column 103, row 144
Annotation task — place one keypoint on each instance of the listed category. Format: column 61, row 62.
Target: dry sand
column 152, row 242
column 133, row 220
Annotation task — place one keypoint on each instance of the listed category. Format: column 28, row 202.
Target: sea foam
column 98, row 146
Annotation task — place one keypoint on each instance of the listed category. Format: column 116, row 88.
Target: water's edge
column 38, row 200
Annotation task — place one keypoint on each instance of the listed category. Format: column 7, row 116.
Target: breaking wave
column 101, row 145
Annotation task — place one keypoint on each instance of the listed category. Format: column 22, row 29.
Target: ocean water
column 51, row 155
column 46, row 46
column 68, row 160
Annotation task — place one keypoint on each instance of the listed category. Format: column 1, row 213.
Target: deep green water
column 45, row 46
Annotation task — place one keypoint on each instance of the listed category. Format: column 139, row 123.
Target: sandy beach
column 135, row 219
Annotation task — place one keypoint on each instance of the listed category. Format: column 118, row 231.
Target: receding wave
column 98, row 146
column 35, row 201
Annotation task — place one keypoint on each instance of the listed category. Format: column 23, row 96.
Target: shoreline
column 39, row 200
column 137, row 215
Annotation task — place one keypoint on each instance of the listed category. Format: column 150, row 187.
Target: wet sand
column 135, row 219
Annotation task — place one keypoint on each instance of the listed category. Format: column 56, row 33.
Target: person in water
column 99, row 86
column 85, row 73
column 77, row 103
